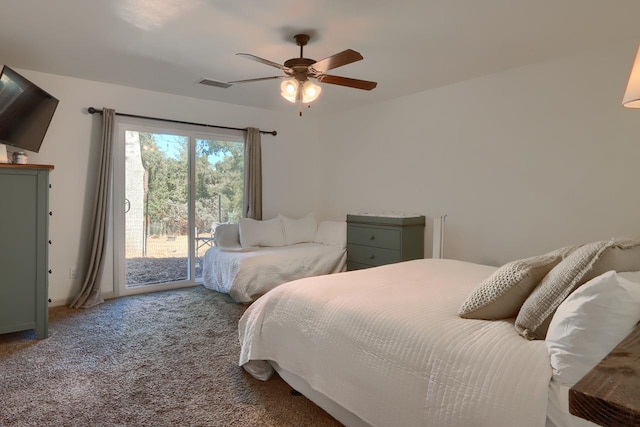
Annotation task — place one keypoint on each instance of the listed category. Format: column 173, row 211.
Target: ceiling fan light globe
column 289, row 90
column 310, row 92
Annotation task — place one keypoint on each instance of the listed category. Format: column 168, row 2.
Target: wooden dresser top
column 27, row 166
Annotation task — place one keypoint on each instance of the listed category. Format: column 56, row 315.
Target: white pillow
column 590, row 323
column 261, row 233
column 332, row 233
column 227, row 235
column 299, row 230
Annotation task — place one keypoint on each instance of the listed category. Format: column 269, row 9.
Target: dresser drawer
column 357, row 266
column 373, row 236
column 371, row 256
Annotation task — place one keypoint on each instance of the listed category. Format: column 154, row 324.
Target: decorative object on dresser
column 379, row 239
column 24, row 248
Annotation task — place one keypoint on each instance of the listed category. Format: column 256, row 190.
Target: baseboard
column 68, row 301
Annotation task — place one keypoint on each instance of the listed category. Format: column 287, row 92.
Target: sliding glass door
column 156, row 208
column 219, row 173
column 173, row 187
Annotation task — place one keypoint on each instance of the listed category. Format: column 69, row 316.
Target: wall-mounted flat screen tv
column 25, row 111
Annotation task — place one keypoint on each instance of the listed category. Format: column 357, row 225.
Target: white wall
column 522, row 161
column 290, row 171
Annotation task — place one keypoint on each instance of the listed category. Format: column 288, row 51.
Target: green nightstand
column 374, row 240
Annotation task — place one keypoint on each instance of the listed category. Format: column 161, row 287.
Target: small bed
column 247, row 273
column 386, row 347
column 253, row 257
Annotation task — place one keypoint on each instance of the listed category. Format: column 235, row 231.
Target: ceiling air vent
column 214, row 83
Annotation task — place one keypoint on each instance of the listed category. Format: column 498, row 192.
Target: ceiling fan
column 297, row 71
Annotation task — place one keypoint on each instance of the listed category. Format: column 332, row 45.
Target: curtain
column 90, row 292
column 252, row 200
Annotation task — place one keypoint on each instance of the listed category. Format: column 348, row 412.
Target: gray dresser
column 24, row 245
column 378, row 240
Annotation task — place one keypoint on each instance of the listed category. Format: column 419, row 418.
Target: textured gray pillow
column 502, row 294
column 579, row 267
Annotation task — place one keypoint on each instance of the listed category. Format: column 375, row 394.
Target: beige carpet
column 160, row 359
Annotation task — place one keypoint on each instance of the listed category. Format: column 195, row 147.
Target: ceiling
column 408, row 46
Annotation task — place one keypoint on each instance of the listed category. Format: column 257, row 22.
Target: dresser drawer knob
column 49, row 241
column 372, row 237
column 372, row 256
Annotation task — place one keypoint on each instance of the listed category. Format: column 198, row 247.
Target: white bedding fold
column 386, row 344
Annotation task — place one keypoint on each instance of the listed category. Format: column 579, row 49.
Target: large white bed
column 386, row 347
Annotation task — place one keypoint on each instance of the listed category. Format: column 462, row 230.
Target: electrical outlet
column 73, row 273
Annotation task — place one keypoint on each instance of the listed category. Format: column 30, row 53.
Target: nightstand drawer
column 371, row 256
column 357, row 266
column 373, row 236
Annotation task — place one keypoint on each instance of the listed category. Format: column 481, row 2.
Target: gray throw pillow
column 502, row 294
column 579, row 267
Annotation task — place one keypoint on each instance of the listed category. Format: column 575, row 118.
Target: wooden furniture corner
column 609, row 395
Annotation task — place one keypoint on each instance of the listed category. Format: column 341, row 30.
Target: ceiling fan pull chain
column 300, row 110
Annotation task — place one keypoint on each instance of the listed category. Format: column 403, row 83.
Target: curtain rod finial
column 92, row 110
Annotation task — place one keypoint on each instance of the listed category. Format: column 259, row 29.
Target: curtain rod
column 92, row 110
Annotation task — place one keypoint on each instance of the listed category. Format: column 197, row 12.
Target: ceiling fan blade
column 338, row 60
column 259, row 79
column 345, row 81
column 263, row 61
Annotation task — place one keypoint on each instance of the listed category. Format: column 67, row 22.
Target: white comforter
column 386, row 344
column 247, row 273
